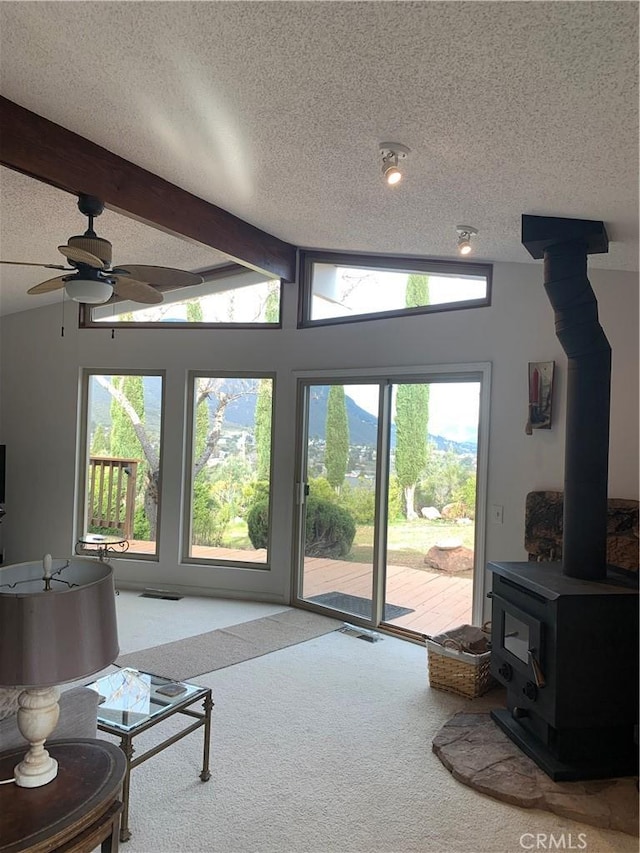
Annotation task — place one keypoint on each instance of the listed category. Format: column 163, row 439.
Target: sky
column 350, row 291
column 453, row 407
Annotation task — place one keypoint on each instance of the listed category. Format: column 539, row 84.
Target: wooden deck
column 438, row 601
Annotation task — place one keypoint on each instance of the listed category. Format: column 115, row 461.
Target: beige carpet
column 224, row 647
column 325, row 747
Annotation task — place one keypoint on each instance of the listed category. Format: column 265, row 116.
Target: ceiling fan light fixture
column 465, row 233
column 392, row 154
column 89, row 290
column 94, row 281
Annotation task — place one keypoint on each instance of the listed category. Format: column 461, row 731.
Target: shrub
column 321, row 488
column 258, row 523
column 210, row 516
column 141, row 526
column 395, row 500
column 359, row 502
column 329, row 531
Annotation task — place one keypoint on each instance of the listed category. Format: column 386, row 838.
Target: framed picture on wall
column 540, row 394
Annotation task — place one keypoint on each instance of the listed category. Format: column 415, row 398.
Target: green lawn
column 409, row 541
column 236, row 536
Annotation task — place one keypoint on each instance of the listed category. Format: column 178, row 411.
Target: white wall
column 39, row 379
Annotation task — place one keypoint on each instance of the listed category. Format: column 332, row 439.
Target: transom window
column 346, row 288
column 229, row 296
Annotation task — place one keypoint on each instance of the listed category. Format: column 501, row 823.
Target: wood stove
column 565, row 635
column 566, row 650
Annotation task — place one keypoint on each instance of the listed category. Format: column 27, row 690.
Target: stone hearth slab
column 480, row 755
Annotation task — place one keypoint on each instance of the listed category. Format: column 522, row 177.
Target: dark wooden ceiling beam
column 37, row 147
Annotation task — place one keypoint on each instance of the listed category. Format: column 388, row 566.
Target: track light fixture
column 465, row 233
column 392, row 153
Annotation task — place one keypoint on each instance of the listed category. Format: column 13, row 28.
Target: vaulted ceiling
column 274, row 111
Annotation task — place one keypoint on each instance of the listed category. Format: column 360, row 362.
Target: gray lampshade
column 48, row 637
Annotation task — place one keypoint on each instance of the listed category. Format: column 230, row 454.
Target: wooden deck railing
column 112, row 493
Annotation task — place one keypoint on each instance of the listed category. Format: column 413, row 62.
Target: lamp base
column 28, row 776
column 38, row 713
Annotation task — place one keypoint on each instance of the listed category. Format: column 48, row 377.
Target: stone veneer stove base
column 479, row 755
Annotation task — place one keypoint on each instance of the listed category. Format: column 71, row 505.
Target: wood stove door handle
column 537, row 670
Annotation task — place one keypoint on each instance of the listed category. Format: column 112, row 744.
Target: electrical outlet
column 497, row 513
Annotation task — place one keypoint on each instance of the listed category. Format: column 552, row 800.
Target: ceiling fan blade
column 48, row 286
column 160, row 276
column 30, row 264
column 136, row 291
column 73, row 253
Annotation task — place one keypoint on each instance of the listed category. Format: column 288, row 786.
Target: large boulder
column 450, row 557
column 454, row 510
column 431, row 513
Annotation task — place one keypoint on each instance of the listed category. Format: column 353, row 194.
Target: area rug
column 224, row 647
column 480, row 755
column 356, row 605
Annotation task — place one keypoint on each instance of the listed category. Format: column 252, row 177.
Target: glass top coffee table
column 132, row 701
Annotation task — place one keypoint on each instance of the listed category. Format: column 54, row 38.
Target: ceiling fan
column 94, row 281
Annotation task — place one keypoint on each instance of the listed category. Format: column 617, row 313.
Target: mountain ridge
column 240, row 414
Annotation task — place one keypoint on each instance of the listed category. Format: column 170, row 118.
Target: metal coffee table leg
column 207, row 705
column 126, row 745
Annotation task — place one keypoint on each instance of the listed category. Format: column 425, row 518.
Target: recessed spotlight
column 465, row 233
column 392, row 154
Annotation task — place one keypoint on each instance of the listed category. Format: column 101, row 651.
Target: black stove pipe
column 584, row 538
column 565, row 244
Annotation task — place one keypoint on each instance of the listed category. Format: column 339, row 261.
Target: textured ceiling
column 274, row 111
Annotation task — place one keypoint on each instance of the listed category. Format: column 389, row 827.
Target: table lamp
column 57, row 624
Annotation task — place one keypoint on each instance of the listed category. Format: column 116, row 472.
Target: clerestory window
column 347, row 288
column 232, row 296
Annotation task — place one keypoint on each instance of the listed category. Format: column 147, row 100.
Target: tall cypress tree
column 412, row 413
column 194, row 311
column 201, row 415
column 336, row 454
column 264, row 403
column 125, row 443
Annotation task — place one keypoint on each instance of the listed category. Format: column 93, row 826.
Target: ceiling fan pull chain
column 62, row 329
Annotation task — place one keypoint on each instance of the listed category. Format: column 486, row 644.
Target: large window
column 229, row 296
column 346, row 288
column 230, row 468
column 123, row 418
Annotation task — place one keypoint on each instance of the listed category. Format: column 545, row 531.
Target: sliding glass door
column 388, row 509
column 430, row 532
column 338, row 496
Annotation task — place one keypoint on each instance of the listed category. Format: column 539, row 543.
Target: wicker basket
column 455, row 670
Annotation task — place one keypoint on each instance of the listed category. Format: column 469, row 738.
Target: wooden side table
column 75, row 812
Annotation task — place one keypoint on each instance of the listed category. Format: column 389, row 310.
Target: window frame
column 86, row 320
column 84, row 453
column 309, row 257
column 186, row 545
